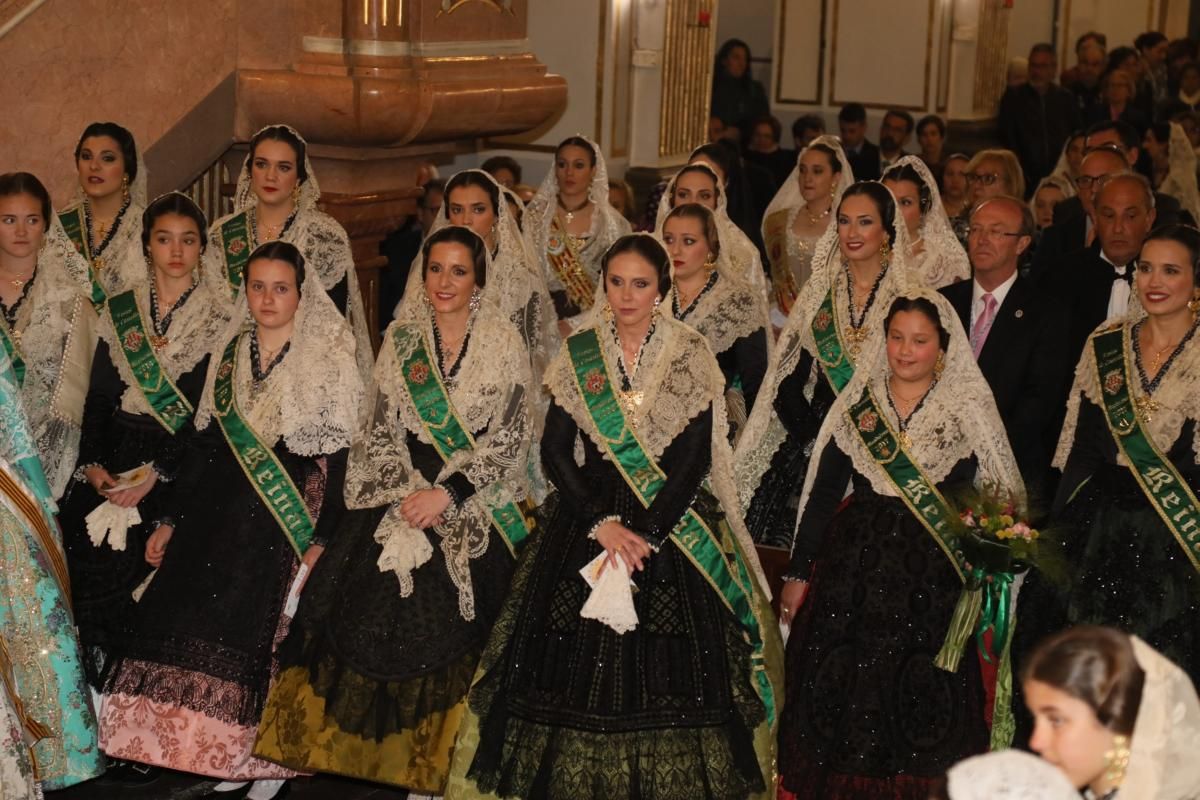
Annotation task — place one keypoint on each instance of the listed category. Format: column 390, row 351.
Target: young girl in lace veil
column 568, row 695
column 104, row 218
column 872, row 587
column 48, row 324
column 804, row 375
column 258, row 494
column 394, row 619
column 802, row 211
column 707, row 294
column 285, row 187
column 1118, row 718
column 936, row 255
column 570, row 225
column 699, row 182
column 147, row 374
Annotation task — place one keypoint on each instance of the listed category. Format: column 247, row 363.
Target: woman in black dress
column 669, row 692
column 872, row 585
column 375, row 670
column 162, row 327
column 258, row 495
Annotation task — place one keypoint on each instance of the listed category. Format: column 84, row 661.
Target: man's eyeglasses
column 987, row 179
column 1088, row 181
column 989, row 233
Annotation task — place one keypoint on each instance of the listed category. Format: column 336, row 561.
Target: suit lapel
column 1011, row 320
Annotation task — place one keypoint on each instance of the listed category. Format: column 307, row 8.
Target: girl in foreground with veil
column 873, row 585
column 669, row 692
column 859, row 267
column 375, row 670
column 258, row 497
column 802, row 211
column 935, row 254
column 570, row 225
column 276, row 199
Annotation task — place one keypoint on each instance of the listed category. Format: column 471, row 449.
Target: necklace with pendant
column 569, row 213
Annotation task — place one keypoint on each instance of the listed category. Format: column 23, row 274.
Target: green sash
column 1164, row 487
column 838, row 367
column 715, row 554
column 437, row 414
column 268, row 477
column 14, row 352
column 74, row 223
column 167, row 403
column 235, row 248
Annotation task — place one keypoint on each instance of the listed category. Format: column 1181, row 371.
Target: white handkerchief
column 293, row 597
column 611, row 600
column 111, row 521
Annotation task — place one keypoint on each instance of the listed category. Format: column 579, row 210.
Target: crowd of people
column 745, row 503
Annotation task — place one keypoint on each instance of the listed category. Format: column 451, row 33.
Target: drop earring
column 939, row 366
column 476, row 295
column 125, row 188
column 885, row 253
column 1116, row 759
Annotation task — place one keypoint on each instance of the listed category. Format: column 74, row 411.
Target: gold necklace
column 814, row 219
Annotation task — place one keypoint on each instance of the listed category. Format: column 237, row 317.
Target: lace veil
column 789, row 197
column 322, row 240
column 1162, row 762
column 680, row 378
column 1008, row 775
column 957, row 419
column 1177, row 396
column 764, row 431
column 195, row 327
column 607, row 223
column 943, row 260
column 744, row 261
column 491, row 397
column 1180, row 182
column 313, row 397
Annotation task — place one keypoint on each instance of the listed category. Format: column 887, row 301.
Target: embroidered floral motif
column 868, row 422
column 594, row 381
column 823, row 320
column 236, row 246
column 133, row 341
column 418, row 373
column 1114, row 381
column 225, row 369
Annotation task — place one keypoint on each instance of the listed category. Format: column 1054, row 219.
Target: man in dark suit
column 862, row 155
column 1097, row 281
column 1074, row 231
column 1018, row 334
column 1035, row 118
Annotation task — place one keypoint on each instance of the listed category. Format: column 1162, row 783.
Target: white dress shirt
column 1118, row 296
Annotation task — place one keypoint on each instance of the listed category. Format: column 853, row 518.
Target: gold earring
column 656, row 311
column 885, row 252
column 710, row 264
column 1116, row 760
column 939, row 366
column 475, row 299
column 125, row 187
column 1194, row 304
column 296, row 194
column 608, row 312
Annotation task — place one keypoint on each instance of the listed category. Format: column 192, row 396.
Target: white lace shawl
column 57, row 329
column 195, row 328
column 789, row 199
column 764, row 432
column 313, row 397
column 744, row 260
column 320, row 238
column 1162, row 761
column 1177, row 395
column 127, row 240
column 680, row 378
column 607, row 223
column 957, row 419
column 1008, row 775
column 1180, row 182
column 943, row 260
column 491, row 391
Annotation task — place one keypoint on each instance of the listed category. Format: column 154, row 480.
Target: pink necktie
column 979, row 333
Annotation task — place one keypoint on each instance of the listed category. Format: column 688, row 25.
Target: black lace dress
column 103, row 579
column 189, row 690
column 867, row 713
column 372, row 684
column 1128, row 570
column 566, row 707
column 771, row 516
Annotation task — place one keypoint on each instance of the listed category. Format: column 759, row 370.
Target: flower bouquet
column 992, row 544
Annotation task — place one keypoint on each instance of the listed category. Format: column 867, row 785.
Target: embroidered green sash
column 449, row 436
column 75, row 224
column 268, row 477
column 235, row 248
column 167, row 403
column 838, row 367
column 9, row 340
column 1164, row 487
column 715, row 554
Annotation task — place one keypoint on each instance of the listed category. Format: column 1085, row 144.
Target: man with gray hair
column 1098, row 280
column 1018, row 334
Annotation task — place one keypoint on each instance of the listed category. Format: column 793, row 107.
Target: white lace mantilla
column 490, row 392
column 943, row 260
